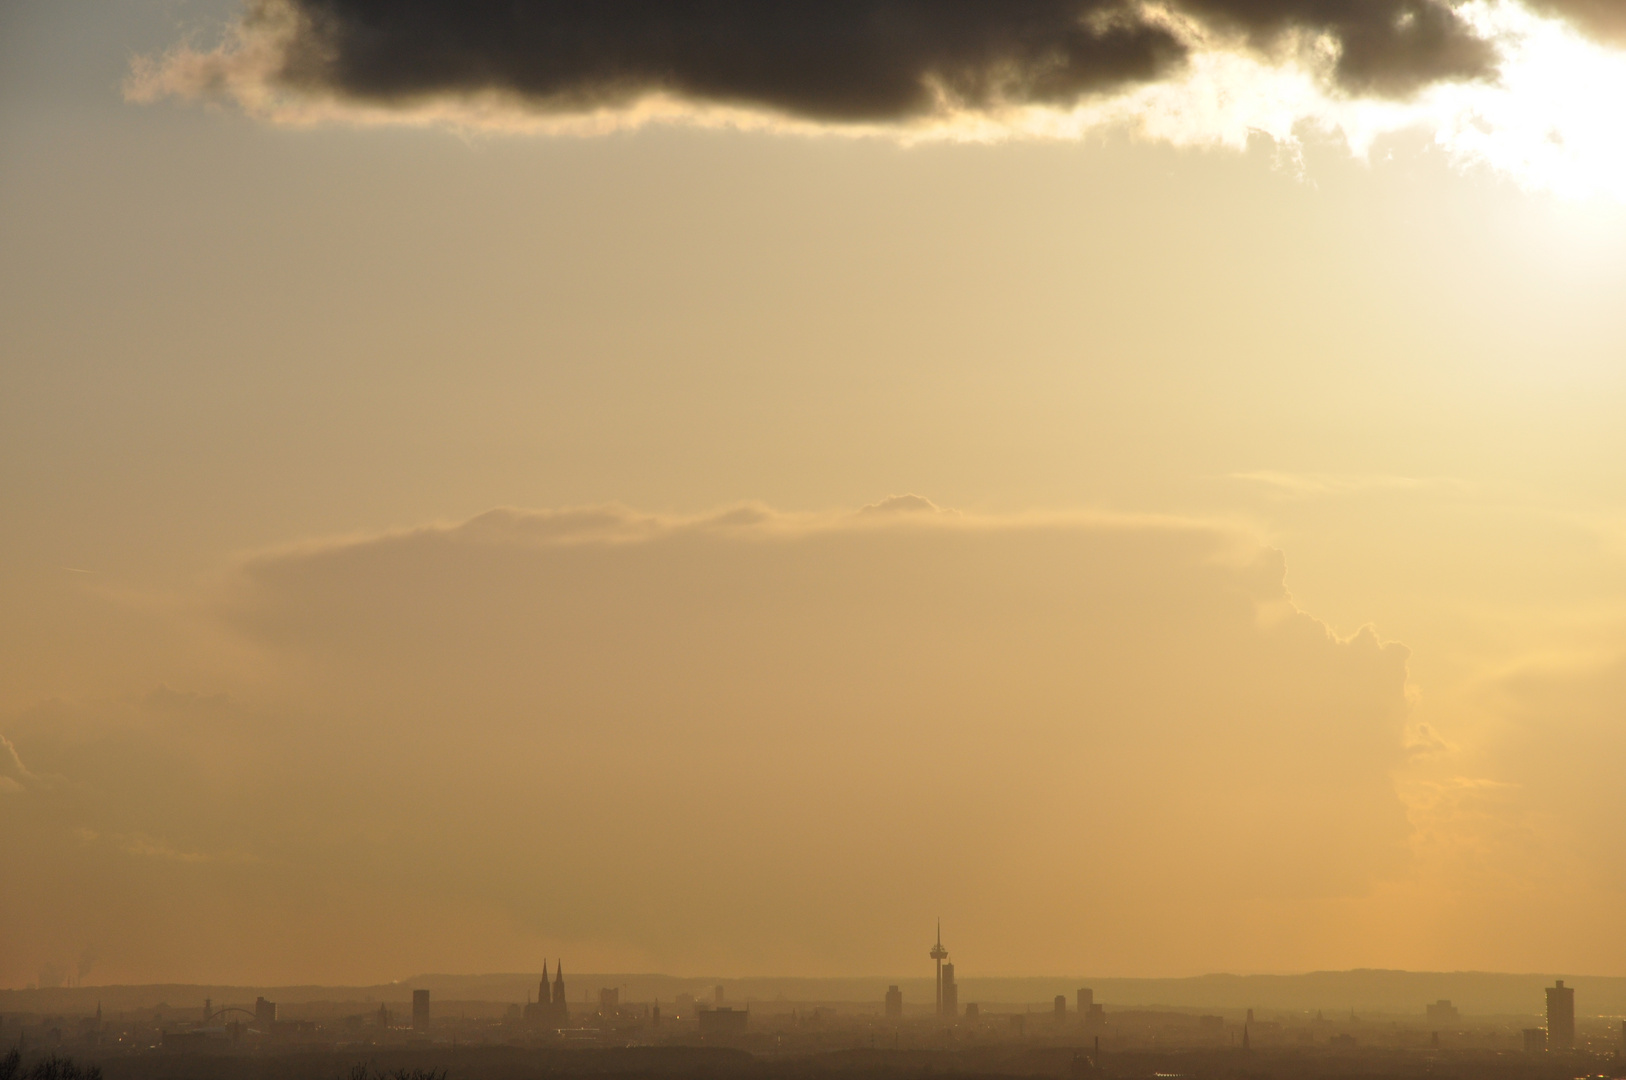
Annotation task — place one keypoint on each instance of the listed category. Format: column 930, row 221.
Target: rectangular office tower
column 1560, row 1017
column 894, row 1003
column 420, row 1010
column 951, row 992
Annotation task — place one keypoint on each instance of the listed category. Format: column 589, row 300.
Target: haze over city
column 706, row 491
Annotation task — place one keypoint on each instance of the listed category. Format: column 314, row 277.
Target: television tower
column 939, row 954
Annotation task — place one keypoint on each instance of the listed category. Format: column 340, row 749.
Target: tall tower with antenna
column 939, row 954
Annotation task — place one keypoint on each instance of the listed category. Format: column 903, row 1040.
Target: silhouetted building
column 1442, row 1012
column 951, row 992
column 1535, row 1040
column 609, row 1001
column 973, row 1011
column 420, row 1010
column 382, row 1017
column 655, row 1015
column 723, row 1021
column 894, row 1002
column 550, row 1010
column 1061, row 1008
column 265, row 1013
column 940, row 954
column 1088, row 1011
column 1560, row 1017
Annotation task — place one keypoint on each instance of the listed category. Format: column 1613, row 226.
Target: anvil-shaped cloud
column 677, row 736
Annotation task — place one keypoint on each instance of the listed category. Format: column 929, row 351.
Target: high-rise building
column 420, row 1010
column 1560, row 1017
column 894, row 1002
column 265, row 1013
column 951, row 993
column 1442, row 1012
column 1061, row 1008
column 1089, row 1013
column 609, row 1001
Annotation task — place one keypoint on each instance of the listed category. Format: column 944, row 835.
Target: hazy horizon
column 1347, row 994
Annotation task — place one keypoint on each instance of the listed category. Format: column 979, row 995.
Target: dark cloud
column 1604, row 19
column 1387, row 46
column 837, row 60
column 846, row 60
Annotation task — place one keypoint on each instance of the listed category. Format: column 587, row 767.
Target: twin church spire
column 549, row 1009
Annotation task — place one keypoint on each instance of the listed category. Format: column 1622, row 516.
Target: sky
column 711, row 489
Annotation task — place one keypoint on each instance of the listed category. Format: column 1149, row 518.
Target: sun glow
column 1549, row 119
column 1553, row 120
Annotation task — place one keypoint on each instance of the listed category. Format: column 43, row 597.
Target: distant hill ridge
column 1369, row 991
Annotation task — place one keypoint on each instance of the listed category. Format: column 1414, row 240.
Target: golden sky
column 1166, row 519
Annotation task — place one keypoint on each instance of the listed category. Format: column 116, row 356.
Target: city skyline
column 1395, row 990
column 626, row 1012
column 1379, row 994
